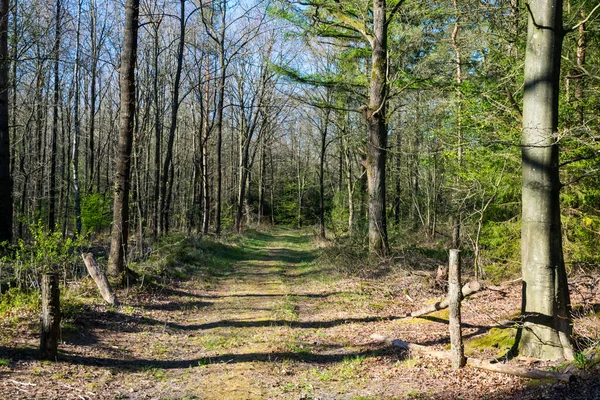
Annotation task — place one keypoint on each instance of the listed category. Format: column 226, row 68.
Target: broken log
column 100, row 278
column 477, row 363
column 467, row 290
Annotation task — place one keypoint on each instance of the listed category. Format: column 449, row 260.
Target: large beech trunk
column 120, row 228
column 546, row 306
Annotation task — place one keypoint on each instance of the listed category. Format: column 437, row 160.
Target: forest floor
column 274, row 324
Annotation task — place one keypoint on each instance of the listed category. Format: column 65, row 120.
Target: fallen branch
column 467, row 290
column 22, row 383
column 476, row 363
column 100, row 279
column 501, row 287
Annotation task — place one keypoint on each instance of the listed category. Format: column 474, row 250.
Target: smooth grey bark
column 6, row 184
column 546, row 332
column 120, row 227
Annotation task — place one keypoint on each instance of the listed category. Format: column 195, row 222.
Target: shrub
column 95, row 212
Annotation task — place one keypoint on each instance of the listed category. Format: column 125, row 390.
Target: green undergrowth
column 181, row 257
column 18, row 306
column 350, row 256
column 17, row 301
column 347, row 255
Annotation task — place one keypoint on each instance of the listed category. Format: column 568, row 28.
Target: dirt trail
column 275, row 325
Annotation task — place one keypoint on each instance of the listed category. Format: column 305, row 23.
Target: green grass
column 349, row 369
column 4, row 362
column 183, row 257
column 16, row 300
column 287, row 309
column 218, row 342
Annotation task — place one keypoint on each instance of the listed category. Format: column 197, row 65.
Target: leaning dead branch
column 96, row 272
column 467, row 290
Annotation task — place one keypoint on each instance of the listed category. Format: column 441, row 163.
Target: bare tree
column 175, row 103
column 6, row 205
column 54, row 137
column 120, row 228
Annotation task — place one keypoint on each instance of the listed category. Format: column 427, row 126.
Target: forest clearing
column 265, row 319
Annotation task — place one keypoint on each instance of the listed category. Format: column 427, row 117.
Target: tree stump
column 50, row 332
column 454, row 298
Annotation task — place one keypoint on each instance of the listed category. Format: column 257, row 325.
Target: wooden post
column 454, row 297
column 50, row 317
column 96, row 272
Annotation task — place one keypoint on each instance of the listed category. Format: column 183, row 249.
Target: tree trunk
column 272, row 165
column 50, row 332
column 167, row 166
column 454, row 298
column 219, row 122
column 261, row 179
column 92, row 115
column 456, row 218
column 6, row 204
column 120, row 228
column 76, row 128
column 323, row 149
column 579, row 83
column 398, row 188
column 157, row 135
column 243, row 176
column 546, row 306
column 54, row 139
column 375, row 115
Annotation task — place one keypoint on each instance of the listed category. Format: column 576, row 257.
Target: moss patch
column 499, row 340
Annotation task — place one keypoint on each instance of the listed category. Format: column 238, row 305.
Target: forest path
column 263, row 318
